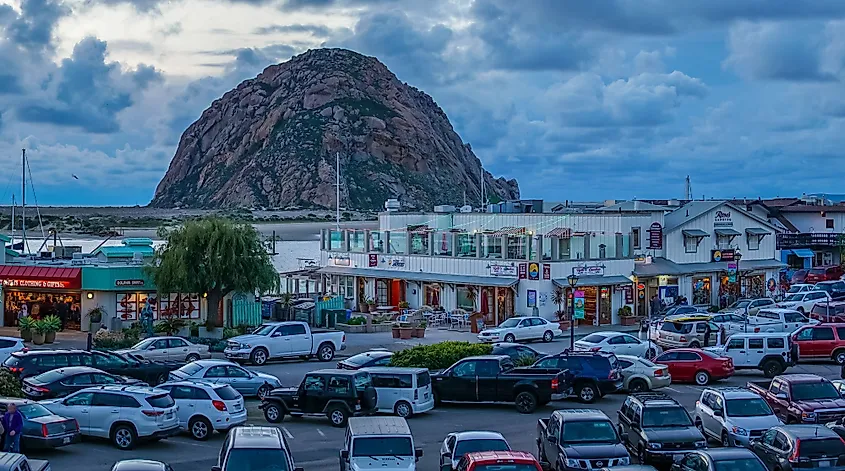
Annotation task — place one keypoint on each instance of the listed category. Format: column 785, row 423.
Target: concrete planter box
column 214, row 334
column 362, row 329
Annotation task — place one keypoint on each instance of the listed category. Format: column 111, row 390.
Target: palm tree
column 472, row 295
column 558, row 298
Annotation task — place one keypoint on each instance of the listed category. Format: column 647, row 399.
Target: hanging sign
column 373, row 260
column 503, row 270
column 727, row 255
column 547, row 271
column 588, row 271
column 655, row 236
column 533, row 271
column 579, row 304
column 732, row 272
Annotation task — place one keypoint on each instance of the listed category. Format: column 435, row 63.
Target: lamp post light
column 573, row 280
column 738, row 257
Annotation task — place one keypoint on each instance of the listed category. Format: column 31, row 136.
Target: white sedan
column 521, row 328
column 803, row 302
column 618, row 343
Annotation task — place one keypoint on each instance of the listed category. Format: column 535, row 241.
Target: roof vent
column 392, row 205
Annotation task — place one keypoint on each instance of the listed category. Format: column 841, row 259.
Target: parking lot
column 315, row 443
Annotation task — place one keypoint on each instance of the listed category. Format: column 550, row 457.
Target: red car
column 825, row 341
column 800, row 276
column 499, row 461
column 829, row 312
column 828, row 273
column 695, row 365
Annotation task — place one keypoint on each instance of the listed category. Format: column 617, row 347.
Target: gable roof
column 696, row 209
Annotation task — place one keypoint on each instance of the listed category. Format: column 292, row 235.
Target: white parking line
column 321, row 433
column 287, row 433
column 671, row 389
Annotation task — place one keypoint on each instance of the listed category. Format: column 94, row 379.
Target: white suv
column 123, row 414
column 734, row 416
column 769, row 352
column 206, row 407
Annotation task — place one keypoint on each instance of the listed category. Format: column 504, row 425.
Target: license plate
column 66, row 440
column 825, row 464
column 169, row 415
column 238, row 407
column 357, row 406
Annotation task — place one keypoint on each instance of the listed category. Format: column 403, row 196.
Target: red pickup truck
column 801, row 398
column 499, row 461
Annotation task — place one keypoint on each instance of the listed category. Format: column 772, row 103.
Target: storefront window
column 66, row 306
column 131, row 306
column 376, row 242
column 398, row 242
column 517, row 247
column 419, row 243
column 343, row 286
column 357, row 243
column 492, row 246
column 443, row 244
column 564, row 248
column 432, row 294
column 753, row 242
column 753, row 286
column 547, row 248
column 381, row 292
column 701, row 290
column 464, row 298
column 576, row 248
column 466, row 245
column 724, row 241
column 336, row 238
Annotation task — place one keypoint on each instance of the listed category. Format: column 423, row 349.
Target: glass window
column 423, row 379
column 625, row 364
column 635, row 237
column 48, row 377
column 79, row 380
column 464, row 301
column 216, row 372
column 533, row 245
column 398, row 241
column 600, row 431
column 775, row 342
column 33, row 411
column 618, row 340
column 81, row 399
column 748, row 408
column 376, row 242
column 517, row 247
column 822, row 333
column 338, row 384
column 176, row 343
column 190, row 369
column 547, row 248
column 814, row 391
column 594, row 338
column 315, row 383
column 160, row 344
column 443, row 244
column 271, row 459
column 227, row 393
column 576, row 248
column 56, row 360
column 487, row 369
column 755, row 344
column 814, row 447
column 467, row 246
column 237, row 372
column 753, row 242
column 99, row 378
column 357, row 243
column 182, row 392
column 666, row 417
column 492, row 246
column 335, row 238
column 690, row 244
column 471, row 446
column 419, row 243
column 465, row 369
column 161, row 401
column 362, row 381
column 382, row 446
column 668, row 356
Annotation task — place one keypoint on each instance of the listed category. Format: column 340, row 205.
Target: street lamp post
column 738, row 257
column 573, row 280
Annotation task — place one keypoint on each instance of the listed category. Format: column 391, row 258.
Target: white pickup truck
column 19, row 462
column 774, row 320
column 285, row 340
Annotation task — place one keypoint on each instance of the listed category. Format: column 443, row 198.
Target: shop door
column 604, row 306
column 397, row 292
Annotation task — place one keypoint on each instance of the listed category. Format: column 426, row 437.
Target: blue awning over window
column 804, row 253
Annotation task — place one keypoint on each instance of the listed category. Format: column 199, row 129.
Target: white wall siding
column 814, row 222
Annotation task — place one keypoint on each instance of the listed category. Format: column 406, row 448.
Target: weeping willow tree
column 214, row 256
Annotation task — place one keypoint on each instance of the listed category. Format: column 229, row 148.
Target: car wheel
column 403, row 409
column 702, row 378
column 337, row 416
column 587, row 393
column 263, row 390
column 326, row 352
column 510, row 338
column 772, row 368
column 548, row 336
column 726, row 440
column 200, row 428
column 124, row 437
column 526, row 402
column 273, row 414
column 637, row 385
column 839, row 356
column 258, row 356
column 695, row 344
column 192, row 357
column 162, row 378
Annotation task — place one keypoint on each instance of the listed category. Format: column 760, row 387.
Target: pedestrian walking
column 707, row 332
column 12, row 423
column 656, row 305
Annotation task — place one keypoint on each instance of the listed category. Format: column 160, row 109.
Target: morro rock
column 272, row 143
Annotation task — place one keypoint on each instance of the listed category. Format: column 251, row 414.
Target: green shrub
column 356, row 321
column 170, row 325
column 214, row 345
column 116, row 340
column 439, row 355
column 524, row 360
column 229, row 332
column 10, row 386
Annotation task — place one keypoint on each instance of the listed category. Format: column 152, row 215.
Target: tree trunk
column 215, row 307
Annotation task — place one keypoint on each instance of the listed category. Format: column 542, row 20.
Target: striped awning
column 560, row 233
column 509, row 231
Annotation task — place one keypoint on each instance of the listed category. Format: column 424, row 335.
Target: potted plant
column 371, row 304
column 364, row 306
column 419, row 330
column 558, row 299
column 52, row 324
column 25, row 324
column 405, row 333
column 395, row 331
column 626, row 315
column 39, row 332
column 404, row 305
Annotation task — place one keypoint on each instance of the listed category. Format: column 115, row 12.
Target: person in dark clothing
column 842, row 371
column 707, row 332
column 656, row 305
column 13, row 425
column 63, row 311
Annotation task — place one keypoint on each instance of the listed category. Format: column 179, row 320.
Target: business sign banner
column 723, row 219
column 588, row 271
column 727, row 255
column 533, row 271
column 532, row 298
column 502, row 270
column 129, row 282
column 373, row 260
column 51, row 284
column 732, row 272
column 655, row 236
column 547, row 271
column 579, row 304
column 396, row 262
column 523, row 271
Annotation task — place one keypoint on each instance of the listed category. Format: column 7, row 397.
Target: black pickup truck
column 493, row 378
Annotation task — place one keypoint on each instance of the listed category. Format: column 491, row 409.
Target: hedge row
column 438, row 356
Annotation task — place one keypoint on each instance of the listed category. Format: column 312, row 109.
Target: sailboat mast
column 337, row 194
column 23, row 200
column 13, row 220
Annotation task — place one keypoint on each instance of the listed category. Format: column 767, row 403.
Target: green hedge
column 10, row 386
column 438, row 356
column 214, row 345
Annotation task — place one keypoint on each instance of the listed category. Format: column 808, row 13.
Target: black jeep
column 337, row 394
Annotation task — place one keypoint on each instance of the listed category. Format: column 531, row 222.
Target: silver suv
column 734, row 416
column 248, row 447
column 687, row 332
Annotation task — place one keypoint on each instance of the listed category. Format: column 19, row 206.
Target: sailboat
column 23, row 245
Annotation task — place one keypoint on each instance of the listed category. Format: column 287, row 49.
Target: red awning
column 28, row 276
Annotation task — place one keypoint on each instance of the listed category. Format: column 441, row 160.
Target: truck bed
column 758, row 386
column 324, row 331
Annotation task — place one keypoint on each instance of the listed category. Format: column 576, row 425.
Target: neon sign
column 36, row 284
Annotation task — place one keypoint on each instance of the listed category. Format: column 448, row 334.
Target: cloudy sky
column 576, row 99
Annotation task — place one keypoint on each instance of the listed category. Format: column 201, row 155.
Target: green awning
column 695, row 233
column 727, row 231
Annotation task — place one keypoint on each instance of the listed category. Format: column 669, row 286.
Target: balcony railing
column 815, row 239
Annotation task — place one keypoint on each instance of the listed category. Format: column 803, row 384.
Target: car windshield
column 741, row 464
column 813, row 447
column 143, row 343
column 510, row 323
column 190, row 369
column 48, row 377
column 753, row 407
column 594, row 338
column 506, row 467
column 257, row 459
column 33, row 411
column 665, row 417
column 814, row 391
column 120, row 358
column 360, row 359
column 487, row 444
column 227, row 393
column 382, row 446
column 739, row 304
column 598, row 431
column 676, row 327
column 794, row 297
column 817, row 271
column 264, row 330
column 795, row 289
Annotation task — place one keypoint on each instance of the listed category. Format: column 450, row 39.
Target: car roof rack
column 653, row 396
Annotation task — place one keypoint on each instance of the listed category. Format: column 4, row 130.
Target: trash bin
column 476, row 322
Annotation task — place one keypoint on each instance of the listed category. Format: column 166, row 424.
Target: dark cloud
column 316, row 30
column 33, row 29
column 9, row 84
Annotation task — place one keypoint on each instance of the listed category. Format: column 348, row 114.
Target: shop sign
column 523, row 271
column 395, row 262
column 655, row 236
column 579, row 304
column 373, row 260
column 722, row 219
column 547, row 271
column 51, row 284
column 341, row 261
column 726, row 255
column 732, row 272
column 129, row 282
column 588, row 271
column 503, row 270
column 532, row 298
column 629, row 293
column 533, row 271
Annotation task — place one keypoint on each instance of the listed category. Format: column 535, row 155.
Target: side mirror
column 719, row 413
column 344, row 454
column 418, row 453
column 782, row 396
column 151, row 347
column 276, row 334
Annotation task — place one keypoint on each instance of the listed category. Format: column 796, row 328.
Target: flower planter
column 564, row 325
column 26, row 335
column 628, row 321
column 419, row 332
column 50, row 337
column 38, row 338
column 364, row 307
column 405, row 333
column 396, row 333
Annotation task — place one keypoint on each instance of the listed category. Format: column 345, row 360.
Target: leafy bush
column 356, row 321
column 229, row 332
column 524, row 360
column 170, row 325
column 52, row 323
column 214, row 345
column 10, row 386
column 116, row 340
column 439, row 355
column 26, row 323
column 244, row 329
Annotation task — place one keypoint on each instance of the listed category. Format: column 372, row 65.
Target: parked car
column 801, row 398
column 655, row 427
column 206, row 407
column 799, row 277
column 800, row 288
column 9, row 345
column 732, row 322
column 793, row 447
column 63, row 381
column 594, row 374
column 498, row 460
column 826, row 273
column 42, row 429
column 516, row 351
column 771, row 353
column 168, row 349
column 618, row 343
column 144, row 413
column 633, row 467
column 19, row 462
column 246, row 382
column 285, row 340
column 458, row 444
column 828, row 312
column 402, row 391
column 696, row 365
column 335, row 394
column 803, row 302
column 683, row 333
column 836, row 289
column 493, row 378
column 640, row 374
column 521, row 328
column 378, row 443
column 822, row 341
column 256, row 449
column 35, row 362
column 777, row 320
column 676, row 311
column 366, row 360
column 579, row 439
column 141, row 465
column 721, row 459
column 733, row 416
